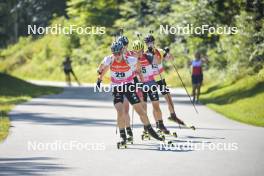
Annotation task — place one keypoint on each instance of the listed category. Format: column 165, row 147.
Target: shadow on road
column 200, row 137
column 29, row 166
column 185, row 102
column 82, row 93
column 87, row 93
column 62, row 105
column 46, row 119
column 157, row 147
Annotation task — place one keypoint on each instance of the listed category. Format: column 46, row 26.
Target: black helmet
column 116, row 47
column 123, row 39
column 149, row 38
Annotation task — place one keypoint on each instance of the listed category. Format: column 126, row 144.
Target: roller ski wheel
column 163, row 138
column 160, row 137
column 130, row 140
column 164, row 132
column 193, row 127
column 169, row 142
column 144, row 136
column 121, row 145
column 174, row 134
column 190, row 127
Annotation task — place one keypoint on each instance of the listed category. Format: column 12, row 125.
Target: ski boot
column 123, row 142
column 163, row 130
column 153, row 133
column 145, row 134
column 174, row 118
column 130, row 135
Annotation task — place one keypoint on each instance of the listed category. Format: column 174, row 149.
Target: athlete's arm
column 100, row 68
column 103, row 67
column 168, row 56
column 103, row 72
column 162, row 53
column 205, row 59
column 138, row 71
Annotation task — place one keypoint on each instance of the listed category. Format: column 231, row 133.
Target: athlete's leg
column 119, row 106
column 156, row 111
column 137, row 105
column 127, row 119
column 194, row 87
column 199, row 86
column 144, row 100
column 126, row 113
column 69, row 79
column 120, row 115
column 75, row 77
column 198, row 92
column 142, row 114
column 169, row 102
column 158, row 117
column 166, row 93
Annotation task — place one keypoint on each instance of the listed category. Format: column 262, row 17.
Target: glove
column 167, row 50
column 150, row 50
column 99, row 72
column 98, row 83
column 136, row 79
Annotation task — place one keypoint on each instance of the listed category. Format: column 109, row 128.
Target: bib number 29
column 120, row 74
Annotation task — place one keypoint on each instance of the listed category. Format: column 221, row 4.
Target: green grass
column 14, row 91
column 241, row 100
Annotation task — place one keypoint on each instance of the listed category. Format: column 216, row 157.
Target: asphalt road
column 74, row 133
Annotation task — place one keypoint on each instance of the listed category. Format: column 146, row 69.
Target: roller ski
column 130, row 135
column 174, row 118
column 162, row 130
column 174, row 134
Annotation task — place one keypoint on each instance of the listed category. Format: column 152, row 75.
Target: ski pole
column 184, row 87
column 133, row 117
column 170, row 101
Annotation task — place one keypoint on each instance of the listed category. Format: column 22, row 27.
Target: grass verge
column 241, row 100
column 14, row 91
